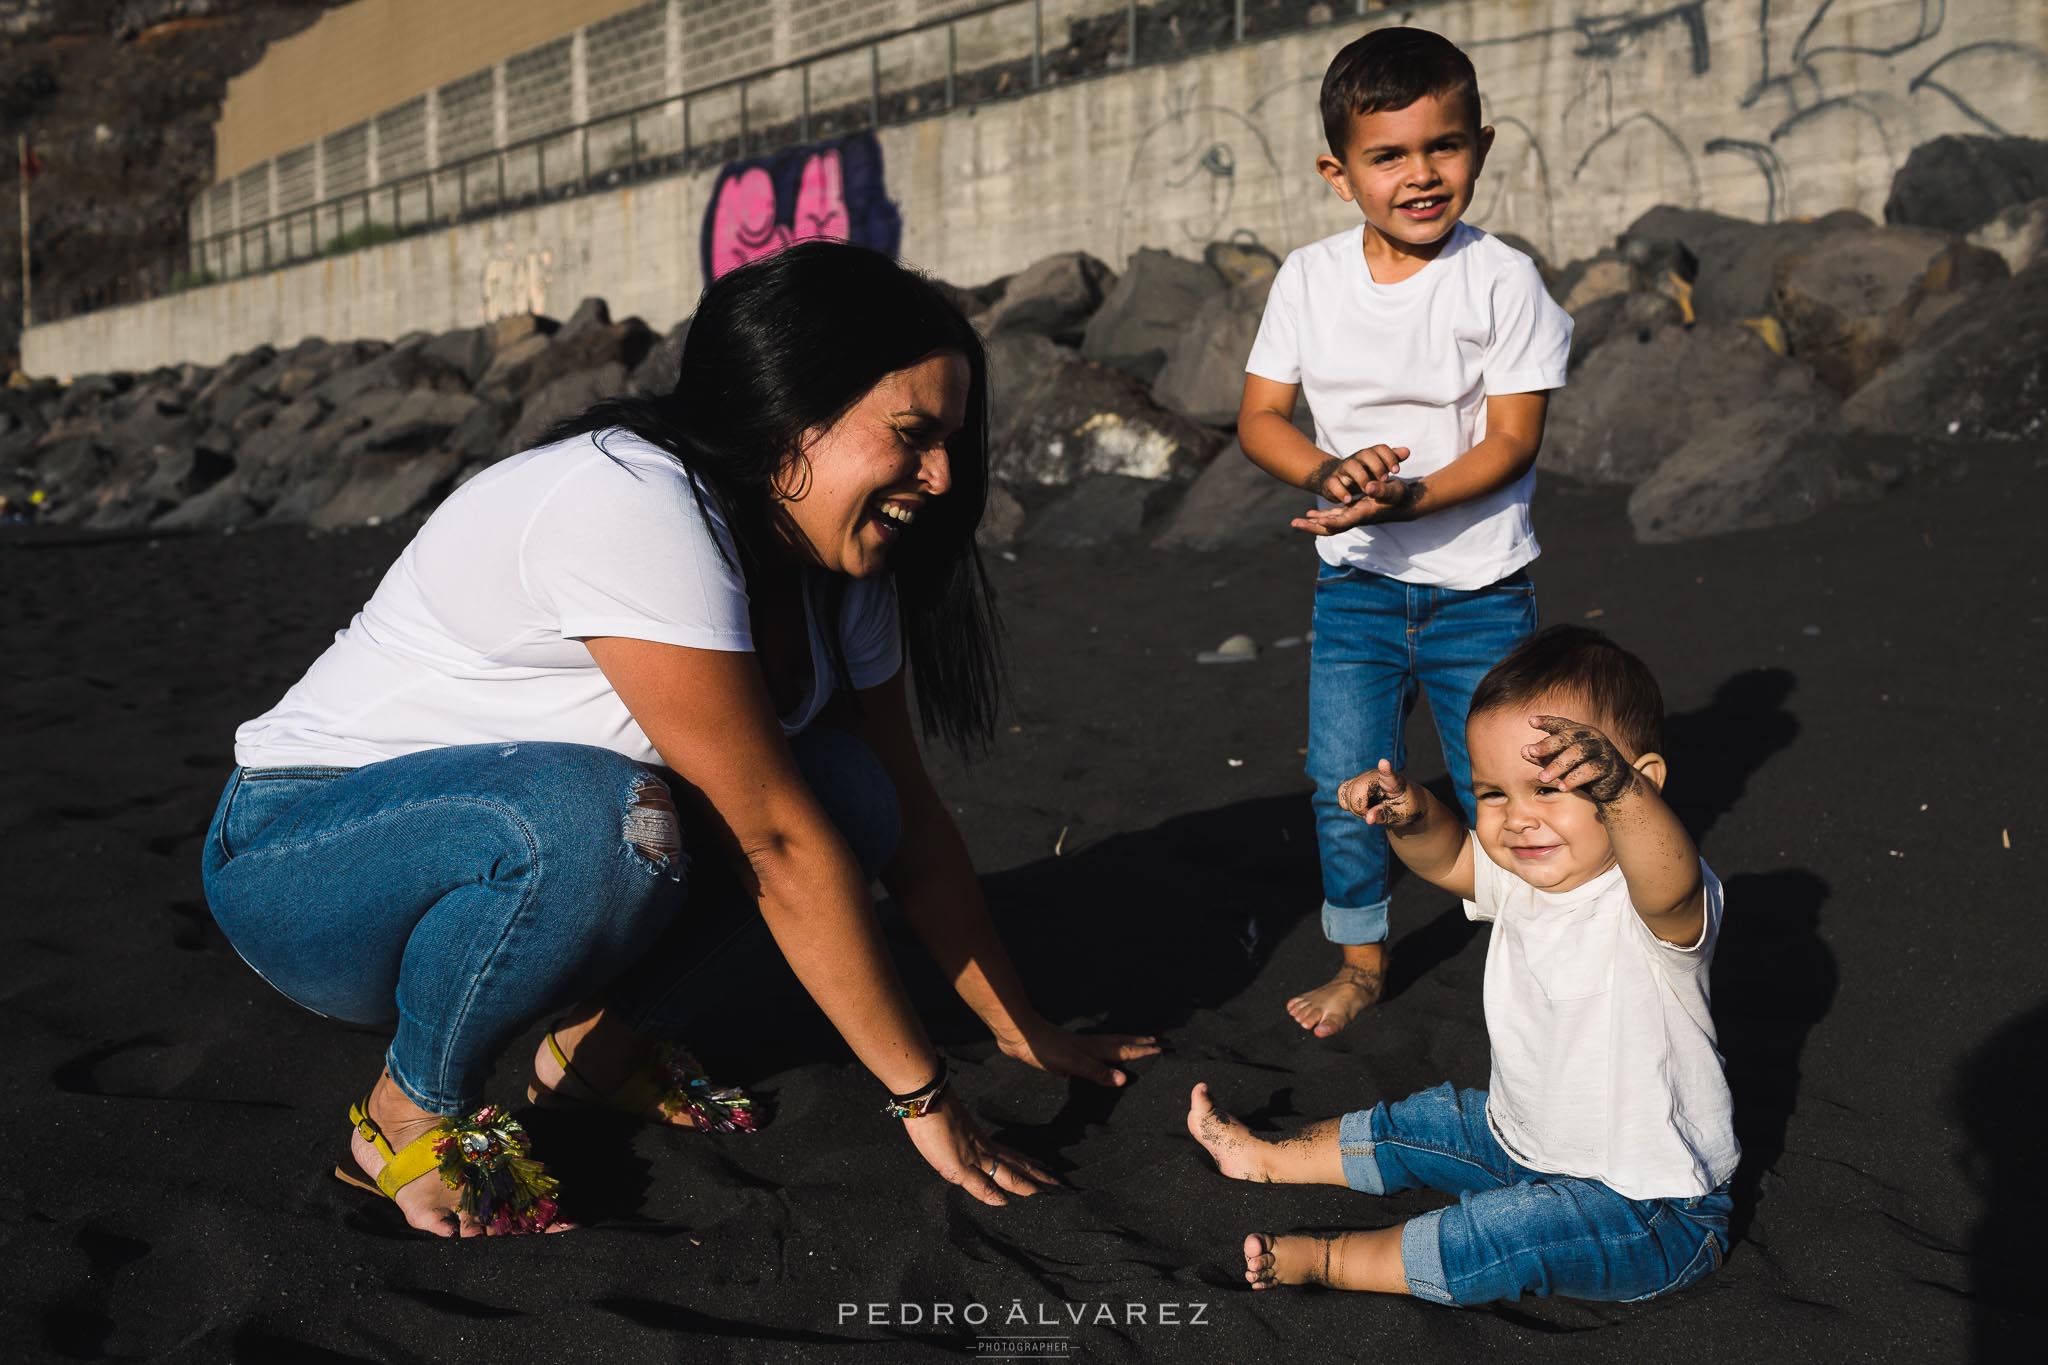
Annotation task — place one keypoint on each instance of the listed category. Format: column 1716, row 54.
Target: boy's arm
column 1429, row 838
column 1514, row 433
column 1658, row 858
column 1266, row 430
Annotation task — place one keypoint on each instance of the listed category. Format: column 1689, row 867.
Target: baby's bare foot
column 1229, row 1143
column 1273, row 1261
column 1354, row 989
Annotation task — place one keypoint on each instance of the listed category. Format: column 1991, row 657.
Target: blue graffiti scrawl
column 825, row 189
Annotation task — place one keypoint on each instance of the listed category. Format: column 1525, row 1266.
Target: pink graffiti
column 743, row 226
column 821, row 200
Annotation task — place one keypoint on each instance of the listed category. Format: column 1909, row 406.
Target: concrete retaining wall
column 1765, row 111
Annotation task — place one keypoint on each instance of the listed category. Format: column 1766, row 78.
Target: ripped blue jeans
column 463, row 893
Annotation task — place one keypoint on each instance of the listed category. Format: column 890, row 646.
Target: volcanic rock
column 1855, row 298
column 1081, row 418
column 1764, row 464
column 1054, row 297
column 1099, row 509
column 1980, row 371
column 1233, row 503
column 1147, row 312
column 1635, row 399
column 1203, row 377
column 1961, row 181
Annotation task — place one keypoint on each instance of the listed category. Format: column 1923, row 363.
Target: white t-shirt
column 1412, row 364
column 1604, row 1064
column 475, row 635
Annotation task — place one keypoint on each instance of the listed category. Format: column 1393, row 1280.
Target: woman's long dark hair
column 787, row 344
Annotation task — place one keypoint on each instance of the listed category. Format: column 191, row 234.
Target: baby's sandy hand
column 1381, row 796
column 1577, row 757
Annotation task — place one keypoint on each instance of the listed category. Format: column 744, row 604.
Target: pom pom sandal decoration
column 486, row 1156
column 669, row 1082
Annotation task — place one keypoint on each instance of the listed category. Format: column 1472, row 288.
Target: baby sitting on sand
column 1596, row 1164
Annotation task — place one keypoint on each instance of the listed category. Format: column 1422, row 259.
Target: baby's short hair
column 1391, row 68
column 1582, row 662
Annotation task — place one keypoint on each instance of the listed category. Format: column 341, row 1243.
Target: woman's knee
column 589, row 807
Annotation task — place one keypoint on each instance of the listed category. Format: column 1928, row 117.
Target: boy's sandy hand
column 1390, row 499
column 1577, row 757
column 1381, row 796
column 1344, row 481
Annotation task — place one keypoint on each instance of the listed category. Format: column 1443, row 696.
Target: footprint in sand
column 148, row 1067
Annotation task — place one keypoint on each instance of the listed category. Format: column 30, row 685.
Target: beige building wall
column 1597, row 122
column 373, row 55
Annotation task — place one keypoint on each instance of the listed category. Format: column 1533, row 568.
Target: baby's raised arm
column 1428, row 838
column 1658, row 858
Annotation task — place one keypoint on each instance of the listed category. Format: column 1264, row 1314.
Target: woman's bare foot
column 427, row 1202
column 1353, row 990
column 604, row 1052
column 1309, row 1157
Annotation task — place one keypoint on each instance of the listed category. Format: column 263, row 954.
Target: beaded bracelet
column 917, row 1103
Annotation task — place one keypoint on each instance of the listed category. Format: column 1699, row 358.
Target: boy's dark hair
column 1391, row 68
column 1576, row 659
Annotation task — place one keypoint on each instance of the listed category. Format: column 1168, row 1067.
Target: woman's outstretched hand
column 1084, row 1056
column 952, row 1142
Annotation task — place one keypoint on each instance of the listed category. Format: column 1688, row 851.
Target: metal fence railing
column 1001, row 50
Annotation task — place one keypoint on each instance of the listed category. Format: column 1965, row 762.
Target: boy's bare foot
column 427, row 1203
column 1273, row 1261
column 1309, row 1157
column 1354, row 989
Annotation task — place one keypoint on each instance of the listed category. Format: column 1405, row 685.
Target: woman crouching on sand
column 685, row 621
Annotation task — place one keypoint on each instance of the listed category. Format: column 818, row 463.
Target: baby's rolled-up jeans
column 1517, row 1231
column 463, row 893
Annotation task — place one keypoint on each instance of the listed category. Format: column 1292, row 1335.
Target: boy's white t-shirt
column 475, row 635
column 1412, row 364
column 1604, row 1062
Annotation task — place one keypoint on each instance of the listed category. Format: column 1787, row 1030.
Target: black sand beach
column 1855, row 734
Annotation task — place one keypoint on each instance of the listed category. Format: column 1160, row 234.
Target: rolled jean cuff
column 1366, row 924
column 1422, row 1258
column 1355, row 1150
column 427, row 1098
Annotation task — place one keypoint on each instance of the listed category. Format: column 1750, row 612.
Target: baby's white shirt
column 1604, row 1059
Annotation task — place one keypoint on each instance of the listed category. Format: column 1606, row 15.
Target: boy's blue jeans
column 1515, row 1231
column 463, row 893
column 1379, row 642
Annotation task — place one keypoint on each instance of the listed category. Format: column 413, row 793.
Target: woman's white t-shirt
column 1604, row 1063
column 476, row 634
column 1412, row 364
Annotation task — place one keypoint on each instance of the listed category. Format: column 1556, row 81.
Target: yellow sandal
column 486, row 1156
column 669, row 1081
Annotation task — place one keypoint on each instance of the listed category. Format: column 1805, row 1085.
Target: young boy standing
column 1596, row 1163
column 1425, row 349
